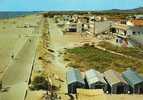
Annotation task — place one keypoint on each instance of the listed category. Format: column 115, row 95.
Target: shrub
column 40, row 82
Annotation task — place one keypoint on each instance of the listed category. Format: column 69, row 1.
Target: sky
column 48, row 5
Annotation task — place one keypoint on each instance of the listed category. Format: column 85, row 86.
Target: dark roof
column 113, row 77
column 74, row 75
column 93, row 76
column 132, row 77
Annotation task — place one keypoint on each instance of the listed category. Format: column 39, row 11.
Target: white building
column 74, row 27
column 135, row 27
column 131, row 27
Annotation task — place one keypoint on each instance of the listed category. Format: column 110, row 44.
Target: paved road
column 22, row 64
column 9, row 45
column 12, row 38
column 22, row 42
column 19, row 72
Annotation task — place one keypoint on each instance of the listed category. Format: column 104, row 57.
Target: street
column 16, row 76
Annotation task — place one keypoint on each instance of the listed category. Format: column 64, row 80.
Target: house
column 134, row 80
column 135, row 27
column 83, row 19
column 71, row 27
column 120, row 28
column 76, row 27
column 131, row 27
column 117, row 84
column 74, row 80
column 125, row 29
column 138, row 16
column 95, row 80
column 135, row 17
column 78, row 24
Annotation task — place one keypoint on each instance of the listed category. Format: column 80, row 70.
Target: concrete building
column 120, row 31
column 135, row 27
column 78, row 24
column 83, row 19
column 117, row 84
column 74, row 27
column 74, row 80
column 138, row 16
column 126, row 29
column 95, row 80
column 134, row 80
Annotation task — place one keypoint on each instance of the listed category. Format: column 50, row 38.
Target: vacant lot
column 134, row 52
column 87, row 57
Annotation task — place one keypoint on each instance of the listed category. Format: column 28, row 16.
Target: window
column 134, row 33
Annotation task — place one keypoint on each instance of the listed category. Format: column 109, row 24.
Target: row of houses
column 122, row 29
column 79, row 23
column 110, row 81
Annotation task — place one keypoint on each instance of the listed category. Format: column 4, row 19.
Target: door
column 120, row 89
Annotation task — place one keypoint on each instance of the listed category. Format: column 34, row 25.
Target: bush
column 86, row 45
column 130, row 51
column 40, row 82
column 45, row 15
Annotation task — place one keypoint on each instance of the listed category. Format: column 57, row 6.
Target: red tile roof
column 137, row 22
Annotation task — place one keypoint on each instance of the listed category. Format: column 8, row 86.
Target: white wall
column 138, row 30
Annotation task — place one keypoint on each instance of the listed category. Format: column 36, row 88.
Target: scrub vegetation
column 40, row 82
column 87, row 57
column 131, row 51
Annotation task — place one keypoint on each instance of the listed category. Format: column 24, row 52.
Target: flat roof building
column 117, row 84
column 134, row 80
column 74, row 80
column 95, row 80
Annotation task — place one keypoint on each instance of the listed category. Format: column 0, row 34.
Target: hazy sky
column 24, row 5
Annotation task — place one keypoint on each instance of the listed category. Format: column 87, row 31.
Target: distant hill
column 7, row 14
column 135, row 10
column 140, row 9
column 132, row 11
